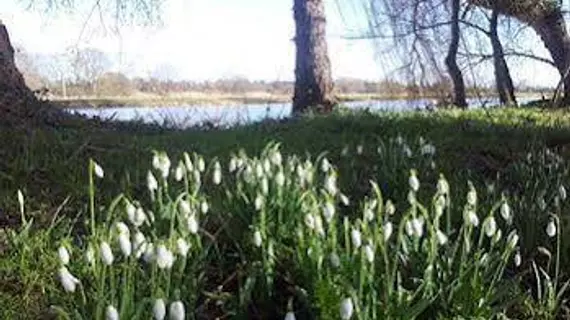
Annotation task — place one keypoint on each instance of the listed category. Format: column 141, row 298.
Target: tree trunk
column 313, row 80
column 12, row 83
column 459, row 97
column 503, row 79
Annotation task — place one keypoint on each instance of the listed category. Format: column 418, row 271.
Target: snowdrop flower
column 90, row 255
column 149, row 255
column 334, row 260
column 201, row 164
column 441, row 237
column 369, row 252
column 20, row 196
column 409, row 228
column 387, row 229
column 179, row 172
column 541, row 203
column 412, row 197
column 359, row 149
column 122, row 228
column 276, row 158
column 98, row 170
column 346, row 309
column 551, row 228
column 139, row 244
column 356, row 238
column 233, row 165
column 310, row 221
column 106, row 253
column 517, row 259
column 325, row 165
column 266, row 166
column 182, row 247
column 290, row 316
column 111, row 313
column 498, row 235
column 344, row 199
column 471, row 217
column 428, row 149
column 63, row 255
column 151, row 182
column 490, row 226
column 472, row 196
column 188, row 163
column 319, row 225
column 125, row 244
column 513, row 239
column 413, row 181
column 280, row 178
column 418, row 226
column 506, row 212
column 562, row 192
column 330, row 184
column 217, row 176
column 68, row 281
column 176, row 311
column 368, row 214
column 399, row 140
column 159, row 309
column 407, row 151
column 442, row 185
column 161, row 162
column 390, row 209
column 204, row 207
column 257, row 238
column 258, row 203
column 192, row 224
column 264, row 185
column 328, row 211
column 136, row 217
column 164, row 257
column 184, row 208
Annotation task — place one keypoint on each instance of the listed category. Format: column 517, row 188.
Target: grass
column 258, row 252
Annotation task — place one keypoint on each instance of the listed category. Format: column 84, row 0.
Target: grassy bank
column 258, row 252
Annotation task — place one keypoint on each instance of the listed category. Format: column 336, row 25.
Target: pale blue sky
column 210, row 39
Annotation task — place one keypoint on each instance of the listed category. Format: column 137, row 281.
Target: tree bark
column 503, row 79
column 313, row 80
column 459, row 96
column 11, row 80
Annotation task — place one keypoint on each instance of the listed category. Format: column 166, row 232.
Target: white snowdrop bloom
column 188, row 162
column 399, row 140
column 290, row 316
column 368, row 214
column 201, row 164
column 541, row 203
column 409, row 228
column 90, row 255
column 192, row 223
column 325, row 165
column 137, row 218
column 441, row 237
column 130, row 209
column 139, row 244
column 161, row 162
column 111, row 313
column 442, row 185
column 233, row 165
column 159, row 309
column 319, row 225
column 330, row 184
column 551, row 228
column 439, row 207
column 413, row 181
column 197, row 178
column 280, row 178
column 258, row 202
column 125, row 244
column 412, row 197
column 182, row 246
column 266, row 166
column 204, row 207
column 184, row 207
column 506, row 212
column 63, row 255
column 264, row 186
column 149, row 253
column 513, row 239
column 418, row 226
column 98, row 170
column 164, row 257
column 344, row 200
column 276, row 158
column 421, row 140
column 359, row 149
column 369, row 253
column 484, row 259
column 517, row 259
column 390, row 208
column 259, row 170
column 151, row 182
column 328, row 211
column 432, row 165
column 122, row 228
column 356, row 238
column 407, row 151
column 471, row 217
column 562, row 192
column 217, row 175
column 68, row 281
column 310, row 221
column 346, row 309
column 257, row 238
column 106, row 253
column 428, row 150
column 472, row 197
column 334, row 260
column 20, row 196
column 490, row 226
column 387, row 230
column 498, row 235
column 179, row 172
column 176, row 311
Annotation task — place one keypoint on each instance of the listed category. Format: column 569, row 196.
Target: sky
column 213, row 39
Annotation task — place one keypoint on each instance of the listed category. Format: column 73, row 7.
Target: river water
column 232, row 114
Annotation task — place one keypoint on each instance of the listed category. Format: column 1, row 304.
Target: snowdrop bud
column 276, row 158
column 176, row 311
column 182, row 247
column 325, row 165
column 369, row 252
column 412, row 197
column 90, row 255
column 356, row 238
column 122, row 228
column 111, row 313
column 184, row 207
column 151, row 182
column 517, row 259
column 188, row 163
column 390, row 209
column 163, row 164
column 346, row 309
column 490, row 226
column 409, row 228
column 413, row 181
column 442, row 185
column 201, row 164
column 334, row 260
column 68, row 281
column 498, row 235
column 562, row 192
column 138, row 218
column 264, row 185
column 551, row 228
column 319, row 225
column 506, row 212
column 257, row 238
column 233, row 165
column 472, row 197
column 368, row 214
column 106, row 253
column 149, row 255
column 139, row 244
column 418, row 226
column 259, row 170
column 98, row 170
column 21, row 201
column 217, row 176
column 258, row 203
column 125, row 244
column 441, row 237
column 192, row 224
column 310, row 221
column 328, row 211
column 471, row 218
column 290, row 316
column 359, row 149
column 387, row 230
column 164, row 257
column 280, row 178
column 159, row 309
column 63, row 255
column 344, row 199
column 407, row 151
column 204, row 207
column 513, row 239
column 179, row 172
column 266, row 166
